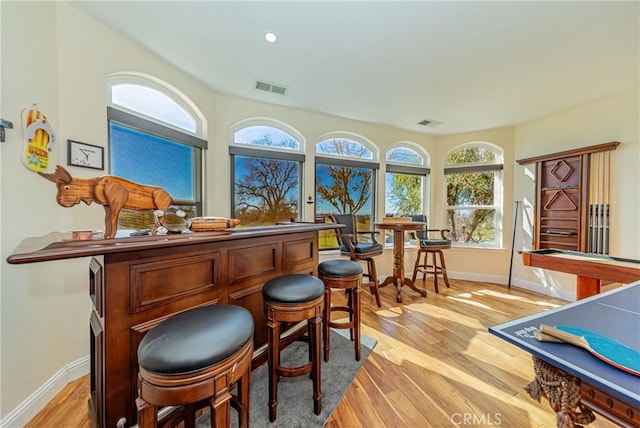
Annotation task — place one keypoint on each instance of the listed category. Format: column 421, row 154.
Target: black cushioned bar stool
column 294, row 298
column 345, row 275
column 194, row 359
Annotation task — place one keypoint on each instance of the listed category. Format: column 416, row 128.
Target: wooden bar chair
column 294, row 298
column 359, row 250
column 343, row 275
column 434, row 247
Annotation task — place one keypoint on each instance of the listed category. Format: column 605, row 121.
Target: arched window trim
column 164, row 88
column 375, row 151
column 272, row 123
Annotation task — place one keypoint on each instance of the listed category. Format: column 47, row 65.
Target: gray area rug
column 295, row 395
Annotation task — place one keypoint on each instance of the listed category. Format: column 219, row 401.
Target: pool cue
column 607, row 206
column 513, row 242
column 592, row 207
column 596, row 201
column 601, row 187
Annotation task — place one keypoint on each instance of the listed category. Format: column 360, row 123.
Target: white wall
column 59, row 58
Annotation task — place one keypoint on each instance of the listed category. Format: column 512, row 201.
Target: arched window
column 155, row 138
column 474, row 194
column 266, row 172
column 406, row 179
column 345, row 178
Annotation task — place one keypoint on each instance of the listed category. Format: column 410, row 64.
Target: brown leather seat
column 434, row 246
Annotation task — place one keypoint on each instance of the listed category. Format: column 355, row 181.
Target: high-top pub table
column 398, row 278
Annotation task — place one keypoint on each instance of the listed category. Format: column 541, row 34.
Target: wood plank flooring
column 435, row 365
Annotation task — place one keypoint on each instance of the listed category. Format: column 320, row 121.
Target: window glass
column 473, row 154
column 150, row 102
column 154, row 152
column 133, row 150
column 266, row 136
column 343, row 147
column 345, row 183
column 344, row 190
column 403, row 194
column 266, row 191
column 404, row 155
column 266, row 183
column 473, row 196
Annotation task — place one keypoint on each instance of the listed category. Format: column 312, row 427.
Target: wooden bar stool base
column 433, row 268
column 344, row 275
column 294, row 298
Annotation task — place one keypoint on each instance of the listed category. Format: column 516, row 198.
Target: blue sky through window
column 133, row 151
column 266, row 136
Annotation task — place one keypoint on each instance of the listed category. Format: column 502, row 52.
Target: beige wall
column 61, row 59
column 58, row 58
column 474, row 263
column 616, row 118
column 310, row 125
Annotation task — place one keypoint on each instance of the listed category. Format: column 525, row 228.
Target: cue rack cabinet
column 562, row 206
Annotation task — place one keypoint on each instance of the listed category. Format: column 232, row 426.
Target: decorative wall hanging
column 39, row 139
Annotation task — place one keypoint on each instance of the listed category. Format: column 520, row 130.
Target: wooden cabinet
column 565, row 184
column 561, row 208
column 135, row 283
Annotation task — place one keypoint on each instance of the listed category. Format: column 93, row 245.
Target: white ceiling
column 471, row 65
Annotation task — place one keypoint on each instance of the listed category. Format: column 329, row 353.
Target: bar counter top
column 60, row 246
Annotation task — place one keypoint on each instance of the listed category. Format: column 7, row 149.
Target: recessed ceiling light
column 270, row 37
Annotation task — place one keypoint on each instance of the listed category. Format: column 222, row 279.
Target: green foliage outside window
column 471, row 197
column 404, row 195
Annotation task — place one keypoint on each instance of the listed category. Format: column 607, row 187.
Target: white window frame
column 496, row 166
column 150, row 125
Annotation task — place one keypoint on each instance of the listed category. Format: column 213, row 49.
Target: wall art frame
column 85, row 155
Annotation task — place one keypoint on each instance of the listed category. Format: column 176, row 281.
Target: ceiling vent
column 429, row 123
column 271, row 87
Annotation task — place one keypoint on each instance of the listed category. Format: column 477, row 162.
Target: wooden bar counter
column 136, row 282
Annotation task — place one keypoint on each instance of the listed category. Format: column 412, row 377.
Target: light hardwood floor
column 435, row 365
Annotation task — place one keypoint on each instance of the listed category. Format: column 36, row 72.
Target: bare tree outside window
column 266, row 181
column 266, row 190
column 344, row 185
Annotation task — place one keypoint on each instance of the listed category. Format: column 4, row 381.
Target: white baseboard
column 567, row 295
column 467, row 276
column 30, row 407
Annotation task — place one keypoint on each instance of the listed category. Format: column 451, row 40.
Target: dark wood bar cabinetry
column 134, row 283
